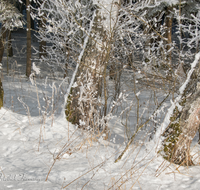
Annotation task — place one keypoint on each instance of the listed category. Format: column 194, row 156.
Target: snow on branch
column 10, row 17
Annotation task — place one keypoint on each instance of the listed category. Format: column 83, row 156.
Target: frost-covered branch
column 10, row 16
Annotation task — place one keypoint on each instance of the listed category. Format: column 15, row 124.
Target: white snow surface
column 32, row 141
column 31, row 144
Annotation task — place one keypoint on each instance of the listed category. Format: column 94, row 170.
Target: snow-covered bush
column 10, row 17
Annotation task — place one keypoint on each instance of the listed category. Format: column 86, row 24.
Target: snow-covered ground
column 41, row 150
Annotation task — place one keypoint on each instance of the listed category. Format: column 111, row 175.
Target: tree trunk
column 82, row 106
column 10, row 49
column 28, row 60
column 182, row 129
column 1, row 94
column 77, row 109
column 169, row 21
column 2, row 43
